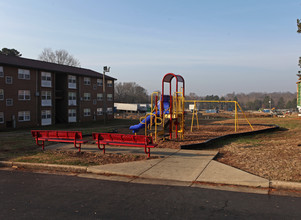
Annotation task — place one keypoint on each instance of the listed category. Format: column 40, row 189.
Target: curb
column 273, row 184
column 276, row 184
column 51, row 167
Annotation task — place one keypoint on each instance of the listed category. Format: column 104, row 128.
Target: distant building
column 34, row 93
column 127, row 107
column 299, row 93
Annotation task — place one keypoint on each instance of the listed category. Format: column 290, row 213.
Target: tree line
column 254, row 100
column 131, row 92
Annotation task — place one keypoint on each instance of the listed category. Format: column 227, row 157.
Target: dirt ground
column 80, row 158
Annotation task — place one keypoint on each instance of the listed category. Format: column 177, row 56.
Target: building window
column 99, row 111
column 24, row 116
column 99, row 82
column 1, row 71
column 45, row 79
column 110, row 97
column 71, row 98
column 110, row 83
column 9, row 80
column 87, row 112
column 87, row 81
column 9, row 102
column 24, row 95
column 1, row 117
column 46, row 117
column 71, row 82
column 46, row 98
column 110, row 111
column 87, row 96
column 23, row 74
column 99, row 96
column 1, row 94
column 71, row 115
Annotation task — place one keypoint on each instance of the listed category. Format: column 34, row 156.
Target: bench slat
column 58, row 136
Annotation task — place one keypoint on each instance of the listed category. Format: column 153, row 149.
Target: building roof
column 47, row 66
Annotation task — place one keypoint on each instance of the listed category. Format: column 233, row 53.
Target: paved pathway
column 179, row 167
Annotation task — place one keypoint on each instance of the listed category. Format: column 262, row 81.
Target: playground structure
column 167, row 111
column 167, row 116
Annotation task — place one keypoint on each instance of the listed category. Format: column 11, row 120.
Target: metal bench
column 58, row 136
column 124, row 140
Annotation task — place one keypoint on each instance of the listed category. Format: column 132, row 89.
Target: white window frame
column 1, row 117
column 23, row 116
column 87, row 81
column 71, row 98
column 1, row 94
column 99, row 97
column 109, row 111
column 46, row 99
column 9, row 80
column 99, row 111
column 9, row 102
column 24, row 95
column 46, row 117
column 71, row 115
column 71, row 82
column 1, row 72
column 109, row 83
column 87, row 96
column 24, row 74
column 87, row 112
column 46, row 80
column 99, row 82
column 109, row 97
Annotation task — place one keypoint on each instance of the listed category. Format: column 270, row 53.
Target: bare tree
column 59, row 57
column 130, row 92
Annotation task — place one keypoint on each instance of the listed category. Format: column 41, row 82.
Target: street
column 26, row 195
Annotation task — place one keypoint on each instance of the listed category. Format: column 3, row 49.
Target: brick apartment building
column 34, row 93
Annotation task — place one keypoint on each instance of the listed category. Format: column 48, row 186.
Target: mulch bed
column 206, row 132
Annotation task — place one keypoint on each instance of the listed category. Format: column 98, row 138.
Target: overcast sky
column 218, row 46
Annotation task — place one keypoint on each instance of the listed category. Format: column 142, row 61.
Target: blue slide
column 136, row 128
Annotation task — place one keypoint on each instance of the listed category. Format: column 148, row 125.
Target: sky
column 218, row 46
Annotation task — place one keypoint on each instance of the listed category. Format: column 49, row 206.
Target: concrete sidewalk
column 176, row 167
column 194, row 168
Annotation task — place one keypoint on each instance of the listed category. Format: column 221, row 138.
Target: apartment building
column 38, row 93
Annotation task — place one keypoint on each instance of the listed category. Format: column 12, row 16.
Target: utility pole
column 105, row 69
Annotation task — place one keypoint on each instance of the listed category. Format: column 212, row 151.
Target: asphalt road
column 26, row 195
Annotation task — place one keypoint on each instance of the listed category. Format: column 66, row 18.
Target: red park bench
column 124, row 140
column 59, row 136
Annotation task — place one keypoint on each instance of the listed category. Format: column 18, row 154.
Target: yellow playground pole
column 235, row 120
